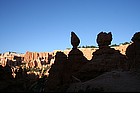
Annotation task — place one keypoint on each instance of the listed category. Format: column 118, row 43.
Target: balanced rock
column 75, row 41
column 63, row 71
column 76, row 58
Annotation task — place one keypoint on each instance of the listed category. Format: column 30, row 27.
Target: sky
column 46, row 25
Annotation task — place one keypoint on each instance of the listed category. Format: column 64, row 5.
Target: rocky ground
column 114, row 81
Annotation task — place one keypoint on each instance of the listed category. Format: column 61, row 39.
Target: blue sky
column 45, row 25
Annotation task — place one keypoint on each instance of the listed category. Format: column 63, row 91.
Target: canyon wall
column 38, row 59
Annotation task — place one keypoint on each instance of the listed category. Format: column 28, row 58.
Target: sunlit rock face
column 34, row 59
column 133, row 52
column 11, row 59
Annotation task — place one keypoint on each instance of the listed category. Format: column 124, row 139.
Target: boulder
column 75, row 41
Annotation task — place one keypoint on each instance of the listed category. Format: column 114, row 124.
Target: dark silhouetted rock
column 2, row 73
column 104, row 59
column 114, row 81
column 58, row 73
column 75, row 41
column 104, row 39
column 7, row 72
column 19, row 73
column 133, row 52
column 76, row 59
column 63, row 71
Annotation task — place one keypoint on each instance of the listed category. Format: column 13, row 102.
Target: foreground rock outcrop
column 133, row 52
column 58, row 74
column 114, row 81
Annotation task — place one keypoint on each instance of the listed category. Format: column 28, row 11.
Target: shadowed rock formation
column 76, row 59
column 133, row 52
column 114, row 81
column 75, row 41
column 5, row 73
column 21, row 82
column 104, row 59
column 104, row 39
column 58, row 74
column 64, row 70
